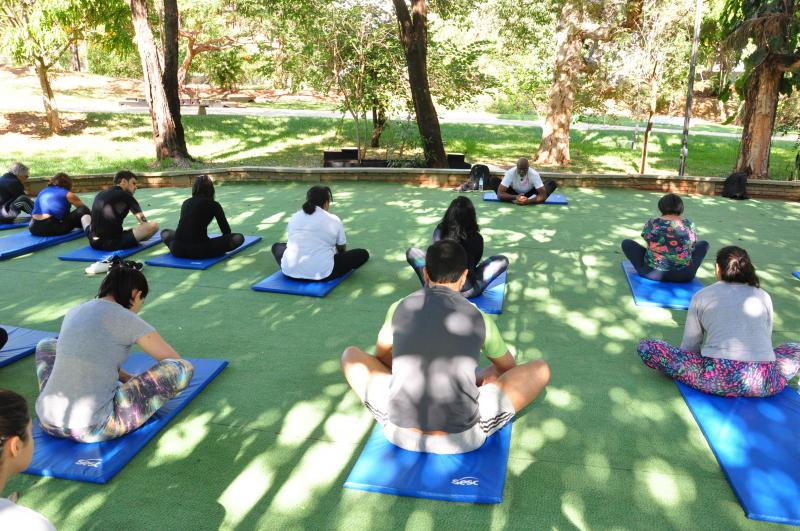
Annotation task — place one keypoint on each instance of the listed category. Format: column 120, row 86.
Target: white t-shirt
column 522, row 185
column 312, row 243
column 13, row 517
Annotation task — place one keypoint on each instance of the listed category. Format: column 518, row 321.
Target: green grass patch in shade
column 610, row 445
column 100, row 143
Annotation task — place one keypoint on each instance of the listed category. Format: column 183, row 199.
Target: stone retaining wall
column 786, row 190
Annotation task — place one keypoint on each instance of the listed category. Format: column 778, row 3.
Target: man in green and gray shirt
column 424, row 384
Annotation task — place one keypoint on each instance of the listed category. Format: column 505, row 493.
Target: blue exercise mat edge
column 664, row 287
column 553, row 199
column 35, row 243
column 31, row 338
column 298, row 287
column 796, row 274
column 497, row 447
column 16, row 224
column 690, row 395
column 129, row 445
column 88, row 254
column 168, row 260
column 493, row 298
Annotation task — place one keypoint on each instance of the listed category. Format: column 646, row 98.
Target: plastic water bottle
column 480, row 184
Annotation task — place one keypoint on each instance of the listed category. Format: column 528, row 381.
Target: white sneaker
column 98, row 267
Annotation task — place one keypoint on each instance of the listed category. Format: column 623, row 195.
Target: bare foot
column 13, row 497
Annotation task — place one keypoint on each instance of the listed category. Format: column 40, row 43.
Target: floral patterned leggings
column 721, row 376
column 135, row 401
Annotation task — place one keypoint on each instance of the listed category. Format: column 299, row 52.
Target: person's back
column 311, row 245
column 10, row 187
column 438, row 337
column 196, row 214
column 94, row 341
column 109, row 209
column 737, row 321
column 52, row 201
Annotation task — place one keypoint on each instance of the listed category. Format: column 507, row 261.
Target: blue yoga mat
column 168, row 260
column 99, row 462
column 646, row 292
column 491, row 300
column 278, row 283
column 473, row 477
column 553, row 199
column 16, row 223
column 25, row 242
column 796, row 274
column 757, row 443
column 21, row 342
column 87, row 254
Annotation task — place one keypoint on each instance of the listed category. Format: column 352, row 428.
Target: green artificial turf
column 610, row 445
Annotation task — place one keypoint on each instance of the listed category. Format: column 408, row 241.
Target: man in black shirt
column 13, row 200
column 110, row 208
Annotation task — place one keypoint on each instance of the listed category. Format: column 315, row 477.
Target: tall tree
column 38, row 32
column 161, row 86
column 413, row 28
column 772, row 69
column 581, row 25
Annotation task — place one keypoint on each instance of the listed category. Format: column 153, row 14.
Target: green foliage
column 225, row 68
column 454, row 74
column 114, row 63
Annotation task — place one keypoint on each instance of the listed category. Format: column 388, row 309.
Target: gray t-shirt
column 437, row 337
column 736, row 320
column 95, row 340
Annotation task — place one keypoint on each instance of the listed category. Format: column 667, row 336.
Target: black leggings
column 3, row 338
column 56, row 227
column 343, row 263
column 11, row 209
column 211, row 248
column 636, row 254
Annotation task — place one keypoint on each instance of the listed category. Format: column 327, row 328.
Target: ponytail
column 316, row 197
column 735, row 266
column 14, row 417
column 123, row 278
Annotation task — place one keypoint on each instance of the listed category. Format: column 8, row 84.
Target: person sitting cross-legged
column 191, row 240
column 523, row 185
column 673, row 252
column 52, row 213
column 735, row 317
column 460, row 224
column 14, row 198
column 109, row 210
column 424, row 384
column 84, row 395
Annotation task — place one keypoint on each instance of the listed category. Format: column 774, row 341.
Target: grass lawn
column 98, row 142
column 611, row 445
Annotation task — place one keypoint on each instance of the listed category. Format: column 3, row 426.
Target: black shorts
column 126, row 240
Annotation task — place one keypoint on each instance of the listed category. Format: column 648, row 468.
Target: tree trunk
column 183, row 71
column 761, row 103
column 414, row 38
column 650, row 112
column 378, row 124
column 554, row 148
column 48, row 99
column 164, row 128
column 75, row 57
column 170, row 74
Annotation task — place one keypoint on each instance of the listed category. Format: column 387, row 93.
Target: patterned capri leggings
column 485, row 272
column 721, row 376
column 135, row 401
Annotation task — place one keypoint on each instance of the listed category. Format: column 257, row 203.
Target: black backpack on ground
column 475, row 173
column 735, row 186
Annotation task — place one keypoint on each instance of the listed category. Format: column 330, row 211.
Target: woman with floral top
column 673, row 253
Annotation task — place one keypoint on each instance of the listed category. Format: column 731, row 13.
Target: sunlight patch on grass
column 244, row 492
column 181, row 440
column 301, row 420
